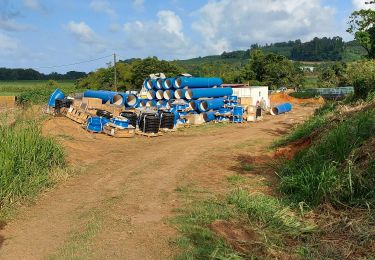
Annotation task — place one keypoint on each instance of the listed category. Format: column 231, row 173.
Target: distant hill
column 316, row 50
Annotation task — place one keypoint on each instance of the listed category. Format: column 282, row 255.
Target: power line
column 72, row 64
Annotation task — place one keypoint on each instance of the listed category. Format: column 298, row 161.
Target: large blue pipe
column 159, row 84
column 183, row 82
column 130, row 100
column 105, row 96
column 281, row 109
column 211, row 104
column 150, row 84
column 194, row 105
column 57, row 94
column 208, row 92
column 168, row 94
column 209, row 116
column 168, row 83
column 180, row 93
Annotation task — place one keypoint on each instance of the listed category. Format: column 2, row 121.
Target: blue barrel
column 121, row 122
column 57, row 94
column 211, row 104
column 281, row 109
column 183, row 82
column 208, row 93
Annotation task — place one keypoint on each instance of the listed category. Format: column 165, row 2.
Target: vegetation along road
column 126, row 199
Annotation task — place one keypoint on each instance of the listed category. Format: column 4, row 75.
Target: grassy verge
column 26, row 159
column 241, row 226
column 324, row 171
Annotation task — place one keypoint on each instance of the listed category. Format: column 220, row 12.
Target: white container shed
column 257, row 93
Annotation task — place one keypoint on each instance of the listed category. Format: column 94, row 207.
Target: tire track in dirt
column 127, row 187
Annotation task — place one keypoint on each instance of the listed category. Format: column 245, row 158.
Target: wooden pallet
column 77, row 115
column 148, row 134
column 118, row 132
column 167, row 130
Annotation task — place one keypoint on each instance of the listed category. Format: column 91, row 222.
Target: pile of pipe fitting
column 186, row 96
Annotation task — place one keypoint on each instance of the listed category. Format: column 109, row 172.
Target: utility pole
column 115, row 71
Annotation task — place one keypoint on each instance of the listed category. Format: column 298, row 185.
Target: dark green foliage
column 26, row 157
column 333, row 75
column 30, row 74
column 362, row 26
column 319, row 50
column 305, row 94
column 272, row 70
column 323, row 172
column 130, row 74
column 362, row 76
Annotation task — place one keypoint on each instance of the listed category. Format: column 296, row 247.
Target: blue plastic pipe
column 130, row 100
column 194, row 105
column 151, row 94
column 150, row 84
column 208, row 92
column 209, row 116
column 211, row 104
column 183, row 82
column 168, row 94
column 180, row 93
column 159, row 84
column 168, row 83
column 159, row 94
column 281, row 109
column 105, row 96
column 57, row 94
column 151, row 103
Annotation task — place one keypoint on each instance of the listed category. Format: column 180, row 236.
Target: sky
column 45, row 34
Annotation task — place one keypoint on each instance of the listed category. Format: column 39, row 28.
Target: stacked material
column 185, row 96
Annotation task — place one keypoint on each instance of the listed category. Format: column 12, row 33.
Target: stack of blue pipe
column 190, row 95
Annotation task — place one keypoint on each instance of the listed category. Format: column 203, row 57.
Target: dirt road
column 120, row 203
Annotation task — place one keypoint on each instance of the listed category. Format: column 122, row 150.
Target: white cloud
column 103, row 6
column 163, row 37
column 234, row 24
column 32, row 4
column 83, row 33
column 7, row 43
column 12, row 25
column 361, row 4
column 138, row 4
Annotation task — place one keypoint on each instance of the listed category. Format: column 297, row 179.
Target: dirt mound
column 292, row 149
column 242, row 240
column 278, row 98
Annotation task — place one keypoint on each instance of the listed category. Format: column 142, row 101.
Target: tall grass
column 26, row 158
column 323, row 171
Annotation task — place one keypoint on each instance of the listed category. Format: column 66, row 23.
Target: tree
column 362, row 26
column 271, row 69
column 362, row 76
column 333, row 75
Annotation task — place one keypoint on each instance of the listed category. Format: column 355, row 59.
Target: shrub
column 362, row 76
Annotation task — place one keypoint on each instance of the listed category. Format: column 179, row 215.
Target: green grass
column 26, row 159
column 35, row 91
column 265, row 217
column 323, row 172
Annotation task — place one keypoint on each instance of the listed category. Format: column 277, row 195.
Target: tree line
column 31, row 74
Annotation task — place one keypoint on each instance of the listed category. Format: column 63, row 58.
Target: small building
column 258, row 94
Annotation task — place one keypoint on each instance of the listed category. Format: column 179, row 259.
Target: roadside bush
column 305, row 94
column 323, row 172
column 362, row 76
column 35, row 96
column 26, row 157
